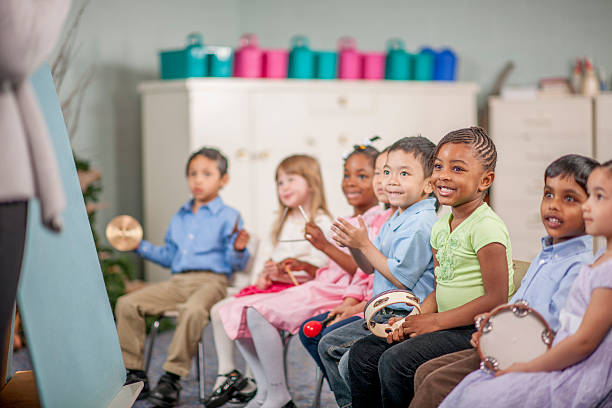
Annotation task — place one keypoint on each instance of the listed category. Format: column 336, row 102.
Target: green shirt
column 458, row 276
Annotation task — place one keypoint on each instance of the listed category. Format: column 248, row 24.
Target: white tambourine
column 383, row 300
column 512, row 334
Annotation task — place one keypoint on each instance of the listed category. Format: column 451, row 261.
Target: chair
column 237, row 282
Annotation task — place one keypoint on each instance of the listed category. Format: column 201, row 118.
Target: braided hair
column 482, row 145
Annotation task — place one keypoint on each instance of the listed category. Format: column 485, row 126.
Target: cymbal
column 124, row 233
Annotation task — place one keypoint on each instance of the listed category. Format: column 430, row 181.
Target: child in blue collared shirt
column 547, row 283
column 203, row 246
column 400, row 257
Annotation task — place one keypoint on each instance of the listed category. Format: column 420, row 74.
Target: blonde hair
column 307, row 167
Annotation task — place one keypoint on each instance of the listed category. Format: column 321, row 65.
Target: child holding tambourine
column 576, row 371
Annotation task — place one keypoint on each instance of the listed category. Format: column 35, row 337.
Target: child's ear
column 486, row 180
column 427, row 186
column 224, row 180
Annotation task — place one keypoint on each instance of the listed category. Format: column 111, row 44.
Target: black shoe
column 234, row 381
column 133, row 376
column 246, row 394
column 166, row 393
column 290, row 404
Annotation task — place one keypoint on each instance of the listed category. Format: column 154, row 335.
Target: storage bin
column 301, row 62
column 248, row 58
column 445, row 65
column 349, row 66
column 398, row 62
column 219, row 61
column 184, row 63
column 325, row 64
column 373, row 65
column 424, row 64
column 275, row 63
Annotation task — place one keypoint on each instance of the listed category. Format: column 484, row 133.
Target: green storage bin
column 184, row 63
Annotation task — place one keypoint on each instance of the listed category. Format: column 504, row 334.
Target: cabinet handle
column 343, row 139
column 342, row 101
column 242, row 154
column 262, row 155
column 311, row 141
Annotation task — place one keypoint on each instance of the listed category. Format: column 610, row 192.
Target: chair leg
column 201, row 374
column 317, row 398
column 286, row 338
column 152, row 335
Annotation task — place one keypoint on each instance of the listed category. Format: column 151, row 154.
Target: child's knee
column 126, row 307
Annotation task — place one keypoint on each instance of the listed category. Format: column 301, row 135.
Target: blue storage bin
column 424, row 63
column 219, row 61
column 185, row 63
column 301, row 61
column 326, row 64
column 445, row 65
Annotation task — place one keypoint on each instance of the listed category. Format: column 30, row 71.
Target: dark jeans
column 382, row 374
column 312, row 343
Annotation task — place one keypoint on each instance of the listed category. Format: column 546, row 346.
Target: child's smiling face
column 458, row 176
column 561, row 208
column 357, row 181
column 293, row 189
column 597, row 210
column 404, row 179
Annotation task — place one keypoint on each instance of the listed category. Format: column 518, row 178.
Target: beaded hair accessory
column 362, row 146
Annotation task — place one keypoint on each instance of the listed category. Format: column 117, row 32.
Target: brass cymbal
column 124, row 233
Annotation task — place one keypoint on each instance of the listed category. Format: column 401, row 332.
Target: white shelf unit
column 257, row 123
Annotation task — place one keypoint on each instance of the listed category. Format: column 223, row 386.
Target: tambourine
column 512, row 334
column 383, row 300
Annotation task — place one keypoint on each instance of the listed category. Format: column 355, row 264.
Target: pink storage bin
column 373, row 65
column 349, row 66
column 275, row 63
column 248, row 58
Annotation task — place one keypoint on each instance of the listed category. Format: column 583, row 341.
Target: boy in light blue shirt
column 548, row 280
column 400, row 256
column 204, row 245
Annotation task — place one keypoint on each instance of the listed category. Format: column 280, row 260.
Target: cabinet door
column 529, row 135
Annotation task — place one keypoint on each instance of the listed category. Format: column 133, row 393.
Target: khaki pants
column 435, row 379
column 191, row 294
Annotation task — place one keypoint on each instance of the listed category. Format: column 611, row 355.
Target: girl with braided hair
column 473, row 274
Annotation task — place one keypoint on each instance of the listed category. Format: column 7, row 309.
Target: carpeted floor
column 301, row 371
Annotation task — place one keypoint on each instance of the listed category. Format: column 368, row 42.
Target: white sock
column 247, row 348
column 224, row 346
column 269, row 348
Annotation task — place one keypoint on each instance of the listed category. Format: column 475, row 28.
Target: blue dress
column 584, row 384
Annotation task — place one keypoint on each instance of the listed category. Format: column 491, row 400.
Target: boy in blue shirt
column 547, row 282
column 204, row 245
column 400, row 257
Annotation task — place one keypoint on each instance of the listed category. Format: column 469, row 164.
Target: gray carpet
column 301, row 371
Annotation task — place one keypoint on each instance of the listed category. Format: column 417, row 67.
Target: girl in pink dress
column 577, row 370
column 254, row 320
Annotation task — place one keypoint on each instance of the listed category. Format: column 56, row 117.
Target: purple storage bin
column 373, row 65
column 349, row 66
column 275, row 63
column 248, row 58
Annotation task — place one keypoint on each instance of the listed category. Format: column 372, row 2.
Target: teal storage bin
column 424, row 64
column 301, row 59
column 219, row 61
column 185, row 63
column 326, row 64
column 398, row 65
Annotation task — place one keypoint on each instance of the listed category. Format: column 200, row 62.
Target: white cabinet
column 529, row 135
column 257, row 123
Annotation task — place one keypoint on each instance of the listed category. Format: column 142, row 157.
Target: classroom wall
column 122, row 38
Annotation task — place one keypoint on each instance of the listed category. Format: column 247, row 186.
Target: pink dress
column 286, row 310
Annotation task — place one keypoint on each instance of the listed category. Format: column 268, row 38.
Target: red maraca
column 314, row 327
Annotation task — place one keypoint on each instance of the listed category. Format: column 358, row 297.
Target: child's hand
column 242, row 239
column 271, row 269
column 414, row 326
column 263, row 281
column 293, row 265
column 315, row 236
column 348, row 308
column 514, row 368
column 350, row 236
column 475, row 339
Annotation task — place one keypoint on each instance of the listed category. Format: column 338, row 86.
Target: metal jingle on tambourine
column 124, row 233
